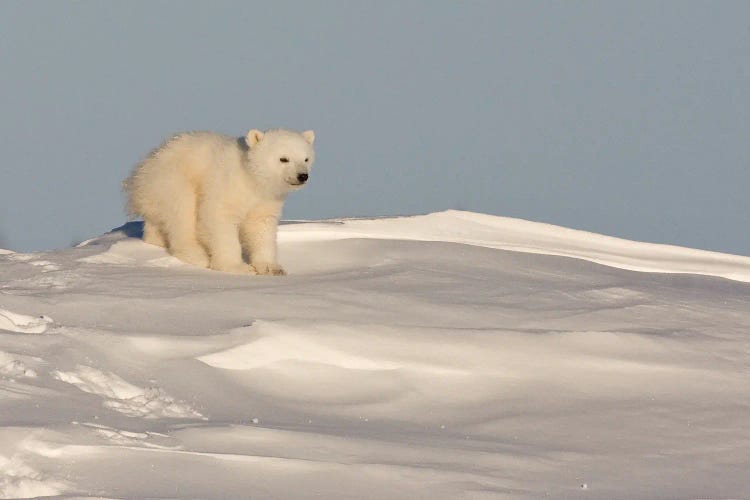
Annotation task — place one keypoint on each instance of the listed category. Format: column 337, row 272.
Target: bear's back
column 195, row 154
column 193, row 159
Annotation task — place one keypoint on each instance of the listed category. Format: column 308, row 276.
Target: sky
column 630, row 119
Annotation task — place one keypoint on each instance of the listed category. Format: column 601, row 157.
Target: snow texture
column 451, row 355
column 21, row 323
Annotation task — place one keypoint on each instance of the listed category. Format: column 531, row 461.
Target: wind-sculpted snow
column 20, row 323
column 150, row 402
column 452, row 355
column 533, row 237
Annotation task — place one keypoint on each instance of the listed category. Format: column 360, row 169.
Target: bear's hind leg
column 179, row 225
column 153, row 235
column 221, row 238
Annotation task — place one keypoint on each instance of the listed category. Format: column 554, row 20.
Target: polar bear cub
column 209, row 198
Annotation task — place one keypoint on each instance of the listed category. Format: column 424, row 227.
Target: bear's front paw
column 268, row 268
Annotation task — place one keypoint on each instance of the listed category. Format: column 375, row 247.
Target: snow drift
column 452, row 355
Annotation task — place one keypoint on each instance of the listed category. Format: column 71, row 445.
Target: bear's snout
column 302, row 178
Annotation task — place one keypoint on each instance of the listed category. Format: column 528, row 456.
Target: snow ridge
column 530, row 237
column 450, row 355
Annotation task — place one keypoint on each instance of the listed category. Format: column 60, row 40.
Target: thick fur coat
column 210, row 198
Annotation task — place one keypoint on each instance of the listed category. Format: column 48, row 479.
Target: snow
column 451, row 355
column 533, row 237
column 21, row 323
column 126, row 398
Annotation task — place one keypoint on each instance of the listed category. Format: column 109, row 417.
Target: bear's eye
column 284, row 159
column 307, row 159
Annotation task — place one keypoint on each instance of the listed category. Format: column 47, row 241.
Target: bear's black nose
column 302, row 177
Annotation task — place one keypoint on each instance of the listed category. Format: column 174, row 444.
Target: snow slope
column 452, row 355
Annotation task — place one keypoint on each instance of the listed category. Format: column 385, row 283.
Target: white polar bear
column 208, row 197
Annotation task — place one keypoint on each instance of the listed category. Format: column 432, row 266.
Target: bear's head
column 281, row 158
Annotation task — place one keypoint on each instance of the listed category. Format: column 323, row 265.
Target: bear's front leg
column 258, row 234
column 220, row 236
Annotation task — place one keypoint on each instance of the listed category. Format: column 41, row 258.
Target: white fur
column 209, row 197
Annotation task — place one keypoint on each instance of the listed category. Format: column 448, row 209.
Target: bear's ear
column 253, row 137
column 309, row 136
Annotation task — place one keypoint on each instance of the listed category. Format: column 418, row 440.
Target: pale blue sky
column 625, row 118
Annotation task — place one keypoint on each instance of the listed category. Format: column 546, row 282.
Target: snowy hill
column 452, row 355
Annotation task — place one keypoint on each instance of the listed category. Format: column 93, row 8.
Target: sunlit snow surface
column 453, row 355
